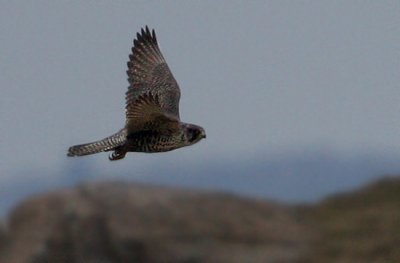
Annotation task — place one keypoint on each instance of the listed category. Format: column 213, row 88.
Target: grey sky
column 259, row 75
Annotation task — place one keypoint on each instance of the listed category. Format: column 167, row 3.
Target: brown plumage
column 152, row 108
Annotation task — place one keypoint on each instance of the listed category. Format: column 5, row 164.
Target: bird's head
column 193, row 133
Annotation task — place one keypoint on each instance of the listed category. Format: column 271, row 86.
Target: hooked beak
column 203, row 134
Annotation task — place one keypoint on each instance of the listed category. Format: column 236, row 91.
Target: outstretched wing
column 152, row 85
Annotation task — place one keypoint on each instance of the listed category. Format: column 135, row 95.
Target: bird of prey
column 152, row 108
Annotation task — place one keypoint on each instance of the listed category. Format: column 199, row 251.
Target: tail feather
column 106, row 144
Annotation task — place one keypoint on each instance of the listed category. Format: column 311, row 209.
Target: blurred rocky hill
column 120, row 222
column 116, row 222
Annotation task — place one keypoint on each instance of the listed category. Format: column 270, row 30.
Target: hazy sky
column 258, row 75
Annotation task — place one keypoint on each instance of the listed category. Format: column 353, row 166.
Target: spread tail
column 106, row 144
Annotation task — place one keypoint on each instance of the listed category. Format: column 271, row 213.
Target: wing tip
column 145, row 48
column 146, row 35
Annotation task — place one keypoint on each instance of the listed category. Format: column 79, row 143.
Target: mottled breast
column 153, row 141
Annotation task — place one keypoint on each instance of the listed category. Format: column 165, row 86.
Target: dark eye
column 193, row 134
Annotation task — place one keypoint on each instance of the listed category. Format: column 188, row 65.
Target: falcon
column 152, row 108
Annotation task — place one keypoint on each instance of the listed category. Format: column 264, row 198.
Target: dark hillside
column 363, row 226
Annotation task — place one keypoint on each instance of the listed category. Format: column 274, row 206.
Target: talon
column 116, row 156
